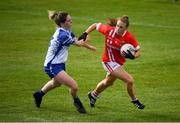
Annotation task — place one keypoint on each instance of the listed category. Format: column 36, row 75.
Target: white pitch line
column 97, row 20
column 156, row 25
column 131, row 23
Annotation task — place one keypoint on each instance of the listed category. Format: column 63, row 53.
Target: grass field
column 25, row 32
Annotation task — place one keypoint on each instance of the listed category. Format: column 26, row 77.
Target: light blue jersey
column 58, row 48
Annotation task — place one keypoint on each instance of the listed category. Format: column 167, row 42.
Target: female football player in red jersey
column 116, row 34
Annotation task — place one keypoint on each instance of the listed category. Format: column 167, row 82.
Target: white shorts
column 110, row 66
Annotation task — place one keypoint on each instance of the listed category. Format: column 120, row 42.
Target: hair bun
column 125, row 16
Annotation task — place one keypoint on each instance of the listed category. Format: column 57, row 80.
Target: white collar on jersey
column 124, row 32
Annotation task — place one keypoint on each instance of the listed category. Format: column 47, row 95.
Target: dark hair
column 112, row 21
column 124, row 19
column 58, row 17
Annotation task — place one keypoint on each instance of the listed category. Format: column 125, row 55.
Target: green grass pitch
column 25, row 32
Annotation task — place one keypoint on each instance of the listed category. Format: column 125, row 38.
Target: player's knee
column 55, row 84
column 130, row 80
column 74, row 87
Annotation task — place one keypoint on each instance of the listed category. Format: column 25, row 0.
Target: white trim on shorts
column 110, row 66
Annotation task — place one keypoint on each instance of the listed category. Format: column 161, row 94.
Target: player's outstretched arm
column 82, row 39
column 90, row 47
column 82, row 43
column 88, row 30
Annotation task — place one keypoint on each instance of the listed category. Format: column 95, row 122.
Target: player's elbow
column 94, row 25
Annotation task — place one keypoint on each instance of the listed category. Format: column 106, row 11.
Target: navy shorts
column 54, row 69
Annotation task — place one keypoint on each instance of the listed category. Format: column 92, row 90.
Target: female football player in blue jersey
column 56, row 58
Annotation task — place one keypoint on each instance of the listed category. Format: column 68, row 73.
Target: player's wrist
column 83, row 36
column 85, row 33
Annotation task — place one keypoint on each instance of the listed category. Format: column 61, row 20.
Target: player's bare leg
column 63, row 78
column 128, row 79
column 108, row 81
column 50, row 85
column 67, row 80
column 47, row 87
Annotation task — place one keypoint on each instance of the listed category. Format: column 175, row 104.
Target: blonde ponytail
column 52, row 14
column 57, row 16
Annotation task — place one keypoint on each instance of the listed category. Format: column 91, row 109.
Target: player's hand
column 92, row 48
column 83, row 36
column 129, row 55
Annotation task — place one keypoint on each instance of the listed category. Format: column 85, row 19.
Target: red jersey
column 113, row 43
